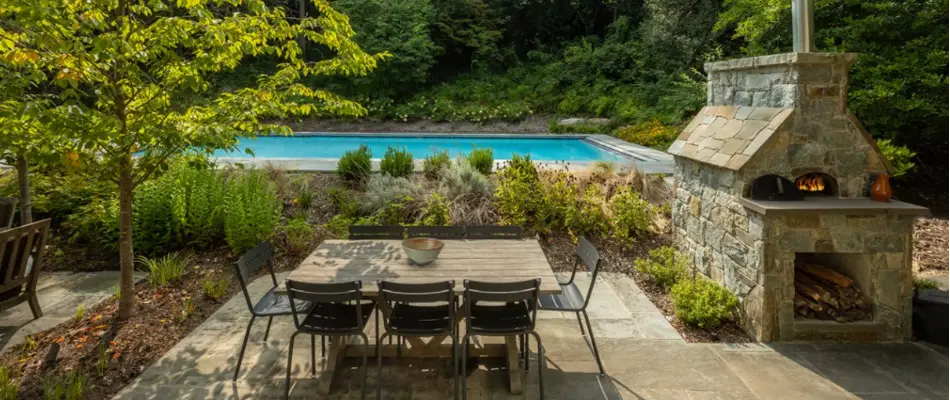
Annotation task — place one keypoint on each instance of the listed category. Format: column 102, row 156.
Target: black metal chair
column 271, row 304
column 511, row 311
column 359, row 232
column 418, row 310
column 437, row 232
column 338, row 309
column 493, row 232
column 571, row 299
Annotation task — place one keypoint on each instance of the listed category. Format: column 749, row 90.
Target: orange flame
column 811, row 184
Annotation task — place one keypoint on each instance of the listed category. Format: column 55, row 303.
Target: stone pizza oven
column 772, row 182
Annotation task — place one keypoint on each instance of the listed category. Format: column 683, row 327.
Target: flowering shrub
column 650, row 134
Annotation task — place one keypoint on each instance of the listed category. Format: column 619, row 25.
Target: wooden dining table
column 370, row 261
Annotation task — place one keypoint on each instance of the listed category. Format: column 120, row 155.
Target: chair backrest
column 323, row 293
column 494, row 232
column 250, row 263
column 419, row 293
column 527, row 292
column 358, row 232
column 586, row 253
column 7, row 210
column 17, row 245
column 438, row 232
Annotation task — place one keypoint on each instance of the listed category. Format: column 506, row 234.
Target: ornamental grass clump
column 434, row 164
column 482, row 159
column 168, row 268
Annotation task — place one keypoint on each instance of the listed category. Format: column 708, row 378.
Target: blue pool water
column 547, row 149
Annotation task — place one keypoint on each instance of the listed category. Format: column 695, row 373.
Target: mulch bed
column 559, row 250
column 125, row 348
column 930, row 246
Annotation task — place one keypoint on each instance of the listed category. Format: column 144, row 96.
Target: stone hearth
column 785, row 115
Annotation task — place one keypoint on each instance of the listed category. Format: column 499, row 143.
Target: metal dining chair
column 362, row 232
column 270, row 305
column 437, row 232
column 493, row 232
column 338, row 309
column 571, row 299
column 511, row 311
column 417, row 310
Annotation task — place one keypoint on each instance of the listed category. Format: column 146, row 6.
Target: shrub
column 166, row 269
column 436, row 212
column 703, row 303
column 196, row 193
column 384, row 189
column 900, row 157
column 590, row 219
column 921, row 283
column 215, row 288
column 665, row 266
column 251, row 210
column 72, row 386
column 482, row 159
column 8, row 387
column 397, row 163
column 395, row 212
column 518, row 193
column 153, row 211
column 558, row 203
column 631, row 215
column 462, row 179
column 355, row 165
column 650, row 134
column 296, row 236
column 344, row 202
column 96, row 223
column 305, row 196
column 434, row 164
column 339, row 226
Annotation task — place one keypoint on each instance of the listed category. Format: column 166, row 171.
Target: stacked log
column 823, row 293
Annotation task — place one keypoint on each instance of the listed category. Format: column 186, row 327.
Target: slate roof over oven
column 728, row 136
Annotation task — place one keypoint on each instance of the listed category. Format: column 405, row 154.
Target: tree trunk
column 23, row 177
column 126, row 284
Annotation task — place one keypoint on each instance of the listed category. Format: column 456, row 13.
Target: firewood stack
column 822, row 293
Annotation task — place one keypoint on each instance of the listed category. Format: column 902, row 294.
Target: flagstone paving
column 643, row 355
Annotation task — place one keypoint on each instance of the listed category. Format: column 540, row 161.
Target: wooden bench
column 21, row 260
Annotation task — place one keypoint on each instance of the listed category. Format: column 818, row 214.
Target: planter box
column 930, row 316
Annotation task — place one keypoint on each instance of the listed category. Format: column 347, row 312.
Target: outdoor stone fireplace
column 774, row 173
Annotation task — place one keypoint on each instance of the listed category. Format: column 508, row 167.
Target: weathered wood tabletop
column 370, row 261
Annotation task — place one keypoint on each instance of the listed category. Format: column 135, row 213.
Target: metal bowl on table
column 422, row 250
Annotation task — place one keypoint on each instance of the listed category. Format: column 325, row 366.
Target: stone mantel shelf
column 863, row 206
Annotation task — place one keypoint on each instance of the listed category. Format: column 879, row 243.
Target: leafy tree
column 468, row 31
column 139, row 71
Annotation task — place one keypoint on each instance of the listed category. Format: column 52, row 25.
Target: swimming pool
column 321, row 146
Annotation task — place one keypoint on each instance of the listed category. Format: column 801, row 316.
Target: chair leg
column 365, row 364
column 579, row 323
column 398, row 346
column 525, row 351
column 267, row 331
column 35, row 306
column 593, row 343
column 377, row 330
column 464, row 362
column 455, row 365
column 379, row 367
column 540, row 366
column 290, row 364
column 247, row 333
column 323, row 346
column 313, row 355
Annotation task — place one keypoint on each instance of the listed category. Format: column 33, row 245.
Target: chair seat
column 501, row 318
column 336, row 317
column 412, row 319
column 570, row 299
column 275, row 304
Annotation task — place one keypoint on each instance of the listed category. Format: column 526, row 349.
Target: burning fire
column 811, row 184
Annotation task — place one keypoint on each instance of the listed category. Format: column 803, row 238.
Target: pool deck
column 645, row 159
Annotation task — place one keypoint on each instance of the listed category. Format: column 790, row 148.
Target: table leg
column 336, row 350
column 515, row 370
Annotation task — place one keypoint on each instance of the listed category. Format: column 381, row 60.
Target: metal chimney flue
column 803, row 28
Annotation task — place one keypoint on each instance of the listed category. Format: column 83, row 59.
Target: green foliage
column 251, row 210
column 462, row 179
column 355, row 165
column 305, row 196
column 345, row 204
column 168, row 268
column 559, row 203
column 215, row 288
column 471, row 29
column 71, row 386
column 395, row 212
column 650, row 134
column 195, row 192
column 384, row 189
column 339, row 225
column 900, row 157
column 397, row 163
column 80, row 312
column 555, row 127
column 8, row 387
column 96, row 223
column 518, row 192
column 59, row 193
column 400, row 27
column 436, row 212
column 482, row 160
column 921, row 283
column 433, row 165
column 631, row 215
column 296, row 236
column 703, row 303
column 665, row 266
column 590, row 218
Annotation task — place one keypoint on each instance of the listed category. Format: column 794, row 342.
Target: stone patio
column 644, row 357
